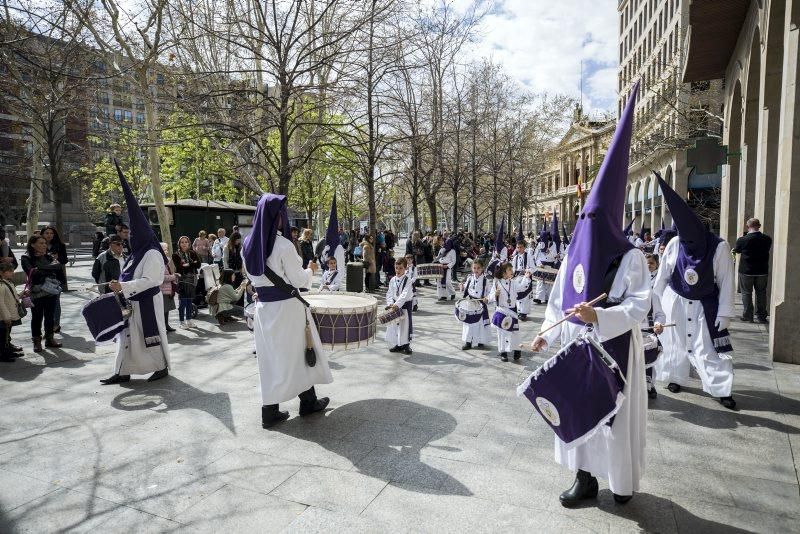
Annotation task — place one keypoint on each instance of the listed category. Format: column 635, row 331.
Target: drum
column 525, row 292
column 468, row 310
column 545, row 274
column 431, row 271
column 577, row 391
column 652, row 348
column 249, row 314
column 343, row 319
column 505, row 321
column 390, row 315
column 106, row 316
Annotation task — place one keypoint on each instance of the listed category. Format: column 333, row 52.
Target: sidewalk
column 432, row 442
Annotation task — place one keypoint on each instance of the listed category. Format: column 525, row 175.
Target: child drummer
column 477, row 287
column 520, row 260
column 411, row 272
column 331, row 281
column 400, row 296
column 506, row 288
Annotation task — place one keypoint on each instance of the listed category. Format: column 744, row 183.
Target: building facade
column 753, row 47
column 575, row 160
column 670, row 115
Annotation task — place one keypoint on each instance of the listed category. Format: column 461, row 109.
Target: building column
column 785, row 306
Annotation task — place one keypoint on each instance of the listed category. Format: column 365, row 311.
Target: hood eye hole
column 583, row 215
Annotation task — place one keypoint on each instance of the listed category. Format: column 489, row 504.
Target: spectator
column 295, row 231
column 45, row 277
column 754, row 248
column 9, row 313
column 352, row 243
column 227, row 309
column 370, row 268
column 233, row 258
column 123, row 232
column 96, row 242
column 306, row 247
column 6, row 254
column 113, row 219
column 380, row 254
column 222, row 239
column 218, row 252
column 58, row 251
column 108, row 264
column 169, row 287
column 186, row 264
column 202, row 247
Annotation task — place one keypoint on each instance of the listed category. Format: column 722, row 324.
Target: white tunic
column 133, row 357
column 279, row 329
column 688, row 342
column 330, row 281
column 522, row 263
column 449, row 260
column 544, row 254
column 616, row 454
column 477, row 333
column 401, row 291
column 504, row 294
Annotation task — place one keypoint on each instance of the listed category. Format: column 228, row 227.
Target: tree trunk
column 430, row 200
column 153, row 161
column 35, row 199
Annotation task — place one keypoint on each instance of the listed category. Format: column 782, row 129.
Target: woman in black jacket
column 187, row 262
column 46, row 277
column 307, row 247
column 58, row 251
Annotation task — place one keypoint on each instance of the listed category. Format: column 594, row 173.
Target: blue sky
column 541, row 44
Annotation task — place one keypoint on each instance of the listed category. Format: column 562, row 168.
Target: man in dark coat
column 754, row 249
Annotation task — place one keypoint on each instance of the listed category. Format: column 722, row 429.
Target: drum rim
column 333, row 310
column 471, row 299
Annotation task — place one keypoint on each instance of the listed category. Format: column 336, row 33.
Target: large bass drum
column 344, row 320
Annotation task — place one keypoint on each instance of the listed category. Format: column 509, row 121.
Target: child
column 388, row 266
column 505, row 293
column 655, row 320
column 520, row 261
column 411, row 272
column 331, row 281
column 9, row 313
column 546, row 255
column 447, row 257
column 476, row 287
column 399, row 296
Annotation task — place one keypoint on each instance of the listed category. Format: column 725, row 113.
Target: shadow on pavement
column 400, row 461
column 421, row 358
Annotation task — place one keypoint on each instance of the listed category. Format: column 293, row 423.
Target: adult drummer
column 601, row 260
column 142, row 347
column 279, row 322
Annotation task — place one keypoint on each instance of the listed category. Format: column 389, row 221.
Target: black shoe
column 415, row 308
column 523, row 317
column 57, row 329
column 746, row 319
column 673, row 387
column 318, row 405
column 443, row 298
column 517, row 355
column 652, row 393
column 452, row 297
column 537, row 301
column 170, row 329
column 728, row 402
column 622, row 499
column 406, row 349
column 396, row 348
column 764, row 321
column 158, row 375
column 480, row 345
column 584, row 487
column 115, row 379
column 271, row 416
column 466, row 346
column 503, row 356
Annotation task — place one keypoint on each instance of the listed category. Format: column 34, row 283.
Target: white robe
column 279, row 329
column 328, row 282
column 397, row 333
column 504, row 294
column 477, row 333
column 341, row 264
column 616, row 454
column 449, row 260
column 542, row 254
column 133, row 357
column 688, row 342
column 521, row 263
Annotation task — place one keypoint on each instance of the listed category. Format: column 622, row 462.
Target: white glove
column 722, row 323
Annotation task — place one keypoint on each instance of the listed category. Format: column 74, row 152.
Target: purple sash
column 147, row 313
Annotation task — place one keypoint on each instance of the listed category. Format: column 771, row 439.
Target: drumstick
column 570, row 316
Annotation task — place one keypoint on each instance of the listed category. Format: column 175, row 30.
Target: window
column 104, row 98
column 160, row 79
column 140, row 105
column 128, row 116
column 118, row 115
column 140, row 118
column 700, row 87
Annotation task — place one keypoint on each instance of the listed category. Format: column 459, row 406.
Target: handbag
column 22, row 311
column 51, row 286
column 26, row 299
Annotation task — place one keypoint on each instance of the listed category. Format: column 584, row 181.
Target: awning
column 714, row 27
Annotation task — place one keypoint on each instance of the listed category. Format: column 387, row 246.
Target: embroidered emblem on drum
column 506, row 323
column 691, row 277
column 578, row 278
column 548, row 411
column 462, row 316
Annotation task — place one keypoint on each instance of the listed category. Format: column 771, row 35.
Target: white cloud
column 541, row 43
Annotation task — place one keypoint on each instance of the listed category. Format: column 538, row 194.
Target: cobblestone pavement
column 436, row 441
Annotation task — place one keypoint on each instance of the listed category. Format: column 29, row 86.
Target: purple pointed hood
column 499, row 241
column 597, row 241
column 332, row 240
column 555, row 236
column 142, row 237
column 628, row 230
column 271, row 212
column 520, row 235
column 695, row 239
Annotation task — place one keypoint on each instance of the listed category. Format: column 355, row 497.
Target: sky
column 541, row 43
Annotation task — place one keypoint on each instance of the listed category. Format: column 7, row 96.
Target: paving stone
column 330, row 488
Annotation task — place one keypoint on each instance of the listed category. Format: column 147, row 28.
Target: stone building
column 670, row 115
column 576, row 159
column 753, row 47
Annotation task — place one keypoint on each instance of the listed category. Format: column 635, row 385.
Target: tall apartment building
column 669, row 116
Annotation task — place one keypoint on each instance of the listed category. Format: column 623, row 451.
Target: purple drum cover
column 505, row 322
column 575, row 393
column 104, row 317
column 345, row 328
column 651, row 351
column 468, row 316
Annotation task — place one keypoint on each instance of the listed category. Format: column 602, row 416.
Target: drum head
column 334, row 301
column 506, row 323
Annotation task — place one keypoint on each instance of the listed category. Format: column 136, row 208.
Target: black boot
column 517, row 355
column 652, row 393
column 523, row 317
column 622, row 499
column 728, row 402
column 584, row 487
column 466, row 346
column 673, row 387
column 503, row 357
column 158, row 375
column 537, row 301
column 480, row 345
column 309, row 403
column 406, row 349
column 115, row 379
column 271, row 415
column 396, row 348
column 50, row 342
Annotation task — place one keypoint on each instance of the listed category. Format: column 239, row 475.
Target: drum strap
column 283, row 285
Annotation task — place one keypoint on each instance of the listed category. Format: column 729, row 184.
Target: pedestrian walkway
column 436, row 441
